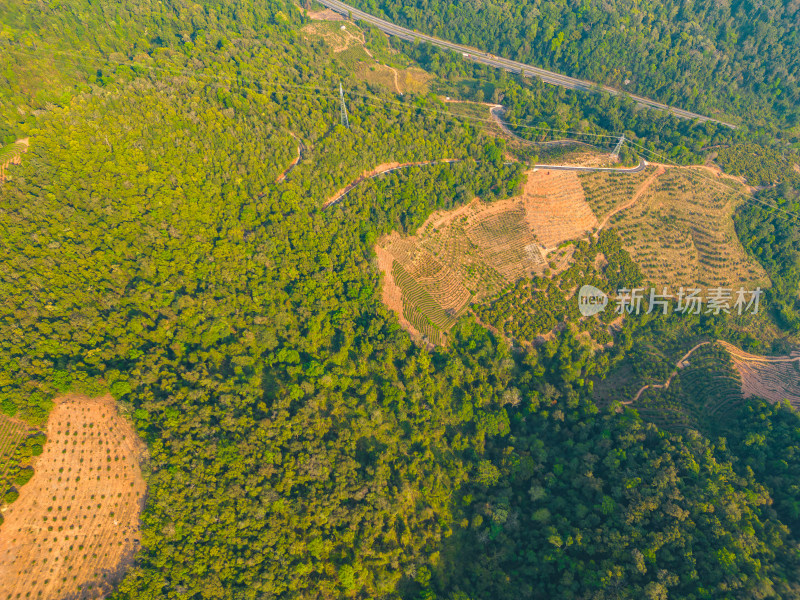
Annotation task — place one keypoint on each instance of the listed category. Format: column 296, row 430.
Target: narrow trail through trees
column 656, row 386
column 300, row 150
column 381, row 169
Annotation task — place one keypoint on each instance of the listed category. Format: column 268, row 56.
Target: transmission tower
column 345, row 121
column 615, row 153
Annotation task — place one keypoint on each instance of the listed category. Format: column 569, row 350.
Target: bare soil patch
column 324, row 15
column 391, row 294
column 773, row 378
column 12, row 155
column 338, row 37
column 401, row 81
column 556, row 207
column 75, row 527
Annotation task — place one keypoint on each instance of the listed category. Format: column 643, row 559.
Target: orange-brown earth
column 463, row 255
column 773, row 378
column 75, row 527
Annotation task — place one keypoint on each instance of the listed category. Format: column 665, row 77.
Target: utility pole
column 615, row 153
column 345, row 121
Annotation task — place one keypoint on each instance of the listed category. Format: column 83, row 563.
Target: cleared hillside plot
column 75, row 527
column 401, row 81
column 679, row 229
column 772, row 378
column 338, row 36
column 556, row 207
column 605, row 192
column 326, row 14
column 12, row 155
column 464, row 255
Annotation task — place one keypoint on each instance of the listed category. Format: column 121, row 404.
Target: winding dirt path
column 642, row 189
column 497, row 111
column 294, row 163
column 738, row 353
column 381, row 169
column 396, row 84
column 665, row 385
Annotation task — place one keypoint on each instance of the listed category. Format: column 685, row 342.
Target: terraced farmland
column 464, row 255
column 420, row 308
column 606, row 191
column 773, row 379
column 556, row 207
column 680, row 229
column 704, row 394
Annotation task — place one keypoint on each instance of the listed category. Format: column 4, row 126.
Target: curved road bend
column 503, row 63
column 497, row 112
column 637, row 169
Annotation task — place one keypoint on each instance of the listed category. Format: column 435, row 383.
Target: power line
column 732, row 189
column 618, row 147
column 310, row 89
column 316, row 90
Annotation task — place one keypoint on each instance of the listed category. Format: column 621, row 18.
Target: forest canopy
column 739, row 58
column 300, row 444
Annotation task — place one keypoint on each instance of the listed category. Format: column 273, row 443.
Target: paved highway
column 502, row 63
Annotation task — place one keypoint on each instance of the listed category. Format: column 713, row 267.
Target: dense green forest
column 300, row 445
column 539, row 112
column 770, row 230
column 759, row 165
column 738, row 58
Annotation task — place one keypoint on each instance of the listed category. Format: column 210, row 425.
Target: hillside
column 463, row 256
column 678, row 225
column 174, row 241
column 720, row 59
